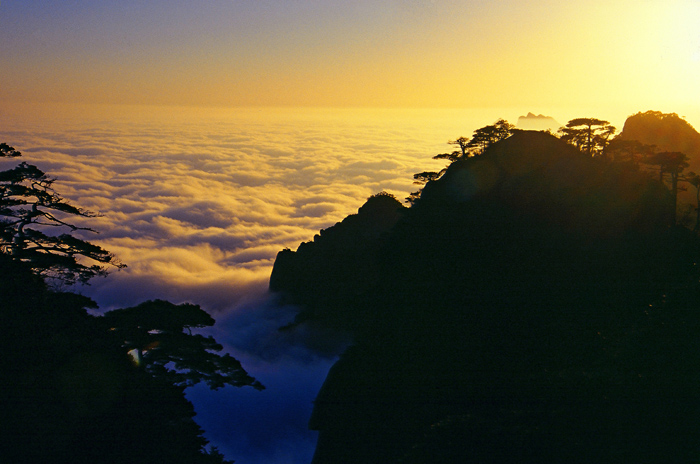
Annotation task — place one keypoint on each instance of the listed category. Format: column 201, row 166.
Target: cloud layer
column 198, row 204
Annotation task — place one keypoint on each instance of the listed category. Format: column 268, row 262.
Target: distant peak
column 537, row 122
column 535, row 116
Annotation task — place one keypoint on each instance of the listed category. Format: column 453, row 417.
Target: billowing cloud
column 198, row 207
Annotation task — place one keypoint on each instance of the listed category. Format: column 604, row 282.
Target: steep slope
column 667, row 131
column 338, row 264
column 530, row 307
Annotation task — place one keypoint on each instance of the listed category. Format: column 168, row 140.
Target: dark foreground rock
column 534, row 306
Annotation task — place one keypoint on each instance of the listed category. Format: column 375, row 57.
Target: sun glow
column 622, row 54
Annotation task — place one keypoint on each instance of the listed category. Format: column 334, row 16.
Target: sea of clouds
column 198, row 202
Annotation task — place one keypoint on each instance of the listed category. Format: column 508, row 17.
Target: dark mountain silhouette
column 667, row 131
column 72, row 394
column 338, row 263
column 84, row 389
column 532, row 306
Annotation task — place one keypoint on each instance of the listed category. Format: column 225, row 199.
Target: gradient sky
column 641, row 54
column 199, row 203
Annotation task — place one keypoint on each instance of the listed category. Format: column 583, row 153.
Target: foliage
column 426, row 176
column 630, row 152
column 462, row 143
column 216, row 456
column 158, row 334
column 80, row 388
column 480, row 141
column 423, row 178
column 382, row 194
column 72, row 393
column 694, row 180
column 451, row 157
column 590, row 135
column 667, row 131
column 488, row 135
column 536, row 306
column 413, row 197
column 670, row 164
column 658, row 143
column 8, row 151
column 34, row 227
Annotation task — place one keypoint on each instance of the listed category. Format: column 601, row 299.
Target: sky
column 331, row 53
column 212, row 134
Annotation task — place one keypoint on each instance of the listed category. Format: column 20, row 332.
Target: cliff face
column 508, row 316
column 338, row 264
column 667, row 131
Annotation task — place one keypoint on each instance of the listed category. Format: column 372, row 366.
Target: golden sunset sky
column 632, row 55
column 199, row 201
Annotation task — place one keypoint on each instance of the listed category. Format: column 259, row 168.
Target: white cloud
column 198, row 208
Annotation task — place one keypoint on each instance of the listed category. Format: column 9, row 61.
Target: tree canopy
column 35, row 227
column 488, row 135
column 590, row 135
column 80, row 388
column 158, row 335
column 632, row 152
column 480, row 141
column 535, row 306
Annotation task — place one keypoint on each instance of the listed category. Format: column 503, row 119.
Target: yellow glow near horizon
column 619, row 55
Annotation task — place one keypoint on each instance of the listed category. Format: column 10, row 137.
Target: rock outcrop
column 667, row 131
column 339, row 263
column 531, row 307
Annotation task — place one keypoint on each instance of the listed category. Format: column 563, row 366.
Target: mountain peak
column 537, row 122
